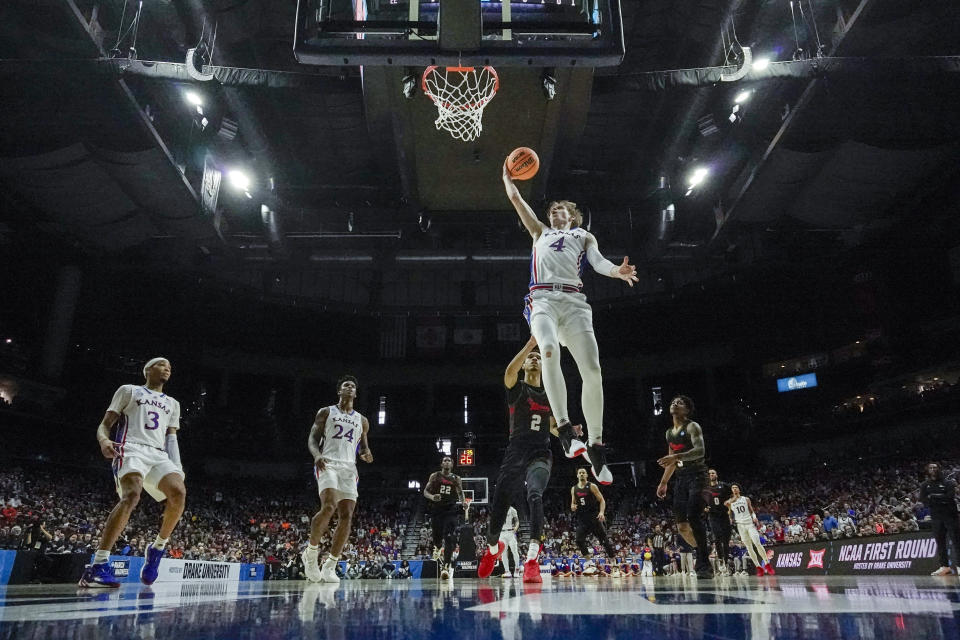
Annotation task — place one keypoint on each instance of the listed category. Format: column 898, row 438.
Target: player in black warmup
column 588, row 505
column 527, row 459
column 685, row 453
column 444, row 491
column 719, row 518
column 939, row 494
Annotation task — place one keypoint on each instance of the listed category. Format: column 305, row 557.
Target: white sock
column 313, row 549
column 494, row 548
column 330, row 561
column 533, row 551
column 101, row 556
column 160, row 543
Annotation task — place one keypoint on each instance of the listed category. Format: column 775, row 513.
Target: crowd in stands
column 60, row 510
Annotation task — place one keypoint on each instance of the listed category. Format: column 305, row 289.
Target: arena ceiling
column 101, row 154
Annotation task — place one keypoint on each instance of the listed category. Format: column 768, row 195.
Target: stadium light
column 742, row 97
column 193, row 98
column 761, row 63
column 238, row 179
column 699, row 175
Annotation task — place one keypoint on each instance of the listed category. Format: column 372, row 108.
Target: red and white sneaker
column 489, row 561
column 531, row 571
column 760, row 572
column 770, row 571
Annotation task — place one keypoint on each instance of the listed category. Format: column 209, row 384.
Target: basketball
column 523, row 163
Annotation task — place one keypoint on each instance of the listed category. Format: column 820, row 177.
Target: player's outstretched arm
column 513, row 369
column 527, row 216
column 365, row 454
column 315, row 439
column 626, row 271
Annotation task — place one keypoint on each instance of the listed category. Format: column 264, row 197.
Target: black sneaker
column 596, row 455
column 572, row 447
column 705, row 573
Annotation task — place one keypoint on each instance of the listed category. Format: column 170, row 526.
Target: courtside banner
column 808, row 559
column 899, row 554
column 905, row 554
column 185, row 570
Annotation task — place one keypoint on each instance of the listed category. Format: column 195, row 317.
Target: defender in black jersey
column 444, row 492
column 589, row 507
column 719, row 517
column 685, row 453
column 528, row 459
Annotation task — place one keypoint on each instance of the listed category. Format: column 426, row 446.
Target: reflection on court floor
column 797, row 608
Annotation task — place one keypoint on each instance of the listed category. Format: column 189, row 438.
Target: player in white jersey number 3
column 338, row 433
column 746, row 520
column 145, row 455
column 558, row 314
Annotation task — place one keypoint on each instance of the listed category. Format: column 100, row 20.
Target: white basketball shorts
column 341, row 477
column 570, row 311
column 151, row 463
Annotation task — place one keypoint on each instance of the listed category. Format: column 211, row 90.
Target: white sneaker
column 506, row 574
column 615, row 573
column 942, row 571
column 328, row 572
column 692, row 574
column 310, row 566
column 445, row 573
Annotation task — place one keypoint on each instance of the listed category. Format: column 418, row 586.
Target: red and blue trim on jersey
column 119, row 440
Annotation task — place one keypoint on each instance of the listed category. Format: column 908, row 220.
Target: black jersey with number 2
column 529, row 416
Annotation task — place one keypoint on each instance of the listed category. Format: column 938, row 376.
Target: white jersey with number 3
column 559, row 257
column 341, row 436
column 145, row 416
column 741, row 511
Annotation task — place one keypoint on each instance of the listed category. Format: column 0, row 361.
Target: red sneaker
column 770, row 571
column 760, row 572
column 531, row 571
column 489, row 561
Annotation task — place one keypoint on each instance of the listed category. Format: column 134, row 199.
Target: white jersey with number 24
column 341, row 436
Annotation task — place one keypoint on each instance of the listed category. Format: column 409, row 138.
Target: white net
column 460, row 93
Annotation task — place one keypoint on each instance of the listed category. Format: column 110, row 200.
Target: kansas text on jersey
column 341, row 436
column 145, row 416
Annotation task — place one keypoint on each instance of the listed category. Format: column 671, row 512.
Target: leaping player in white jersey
column 339, row 432
column 746, row 520
column 558, row 314
column 145, row 455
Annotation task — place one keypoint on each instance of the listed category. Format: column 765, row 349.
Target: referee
column 659, row 542
column 939, row 494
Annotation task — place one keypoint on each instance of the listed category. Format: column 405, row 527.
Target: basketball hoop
column 460, row 93
column 466, row 509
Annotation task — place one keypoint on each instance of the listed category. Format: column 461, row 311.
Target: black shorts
column 444, row 523
column 690, row 495
column 516, row 462
column 720, row 525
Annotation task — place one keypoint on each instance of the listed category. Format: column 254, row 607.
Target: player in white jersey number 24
column 338, row 434
column 558, row 314
column 146, row 455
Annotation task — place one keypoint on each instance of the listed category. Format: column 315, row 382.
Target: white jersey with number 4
column 341, row 436
column 145, row 416
column 741, row 511
column 559, row 257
